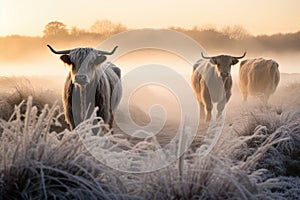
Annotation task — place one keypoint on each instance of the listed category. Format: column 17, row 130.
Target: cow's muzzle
column 81, row 79
column 225, row 75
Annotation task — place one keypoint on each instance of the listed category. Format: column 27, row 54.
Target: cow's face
column 223, row 65
column 83, row 64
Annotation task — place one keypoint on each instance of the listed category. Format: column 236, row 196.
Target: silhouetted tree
column 107, row 28
column 74, row 31
column 55, row 28
column 235, row 32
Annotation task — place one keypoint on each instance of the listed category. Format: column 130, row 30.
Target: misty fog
column 29, row 57
column 248, row 148
column 24, row 55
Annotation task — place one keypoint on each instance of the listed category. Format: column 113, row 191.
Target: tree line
column 228, row 39
column 104, row 28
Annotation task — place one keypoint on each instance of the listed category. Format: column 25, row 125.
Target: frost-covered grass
column 206, row 178
column 258, row 158
column 39, row 164
column 269, row 151
column 14, row 90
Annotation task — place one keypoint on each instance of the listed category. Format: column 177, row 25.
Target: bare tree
column 55, row 28
column 235, row 32
column 107, row 28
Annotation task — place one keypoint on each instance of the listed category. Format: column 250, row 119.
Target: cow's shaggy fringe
column 36, row 164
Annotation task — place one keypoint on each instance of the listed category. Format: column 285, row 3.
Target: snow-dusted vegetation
column 257, row 157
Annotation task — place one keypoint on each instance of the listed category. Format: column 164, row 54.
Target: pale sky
column 29, row 17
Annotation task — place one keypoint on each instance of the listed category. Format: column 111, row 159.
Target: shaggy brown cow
column 258, row 77
column 90, row 83
column 212, row 82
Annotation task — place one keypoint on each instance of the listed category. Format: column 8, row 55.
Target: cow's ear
column 66, row 59
column 234, row 61
column 243, row 62
column 213, row 61
column 100, row 59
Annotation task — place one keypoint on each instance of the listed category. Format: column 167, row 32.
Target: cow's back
column 258, row 76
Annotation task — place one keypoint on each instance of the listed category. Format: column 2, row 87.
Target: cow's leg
column 228, row 95
column 265, row 99
column 220, row 107
column 111, row 122
column 202, row 110
column 227, row 87
column 208, row 115
column 72, row 125
column 209, row 107
column 69, row 116
column 245, row 96
column 207, row 104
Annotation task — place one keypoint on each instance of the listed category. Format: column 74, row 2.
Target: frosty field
column 256, row 157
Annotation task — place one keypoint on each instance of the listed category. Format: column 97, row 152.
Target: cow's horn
column 205, row 57
column 106, row 52
column 58, row 52
column 239, row 57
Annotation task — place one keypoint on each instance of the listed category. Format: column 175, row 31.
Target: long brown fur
column 258, row 76
column 103, row 101
column 212, row 83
